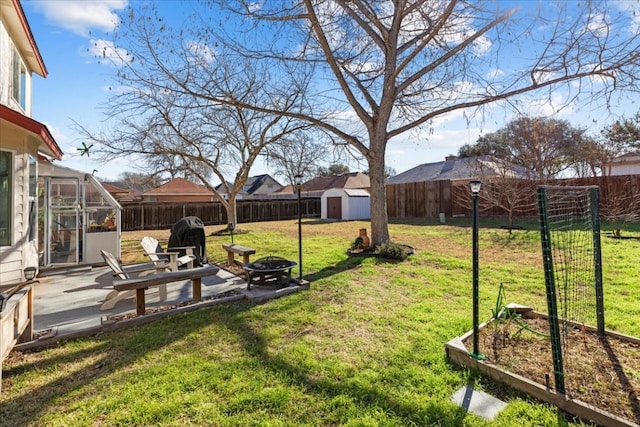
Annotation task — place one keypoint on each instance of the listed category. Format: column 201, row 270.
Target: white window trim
column 12, row 203
column 21, row 79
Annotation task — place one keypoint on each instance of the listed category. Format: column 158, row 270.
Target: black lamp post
column 298, row 182
column 475, row 191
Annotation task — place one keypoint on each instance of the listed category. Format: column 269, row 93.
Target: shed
column 345, row 204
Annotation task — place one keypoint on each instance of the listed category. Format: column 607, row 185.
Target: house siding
column 5, row 64
column 627, row 165
column 360, row 208
column 21, row 252
column 6, row 98
column 269, row 186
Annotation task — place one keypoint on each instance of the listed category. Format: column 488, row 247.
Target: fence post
column 550, row 284
column 597, row 259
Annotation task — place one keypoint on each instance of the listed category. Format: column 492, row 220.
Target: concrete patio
column 67, row 303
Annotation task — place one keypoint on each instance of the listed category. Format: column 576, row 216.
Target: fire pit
column 271, row 271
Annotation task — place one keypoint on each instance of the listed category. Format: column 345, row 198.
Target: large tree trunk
column 379, row 219
column 232, row 213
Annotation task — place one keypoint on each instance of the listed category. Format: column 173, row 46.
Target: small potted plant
column 110, row 221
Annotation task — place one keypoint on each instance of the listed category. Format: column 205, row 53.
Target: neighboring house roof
column 627, row 157
column 20, row 32
column 118, row 190
column 47, row 144
column 458, row 168
column 345, row 180
column 625, row 164
column 255, row 183
column 323, row 183
column 220, row 187
column 113, row 188
column 179, row 186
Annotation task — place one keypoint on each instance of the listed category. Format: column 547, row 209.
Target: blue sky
column 68, row 34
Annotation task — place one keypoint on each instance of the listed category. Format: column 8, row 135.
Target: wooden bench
column 233, row 249
column 141, row 284
column 124, row 273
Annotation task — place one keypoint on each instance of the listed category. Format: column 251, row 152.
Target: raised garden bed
column 602, row 375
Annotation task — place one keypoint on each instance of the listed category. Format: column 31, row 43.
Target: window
column 6, row 198
column 19, row 80
column 33, row 200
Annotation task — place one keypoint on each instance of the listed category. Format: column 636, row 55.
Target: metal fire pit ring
column 269, row 271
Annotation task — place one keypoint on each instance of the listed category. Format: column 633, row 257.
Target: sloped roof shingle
column 179, row 186
column 355, row 180
column 457, row 168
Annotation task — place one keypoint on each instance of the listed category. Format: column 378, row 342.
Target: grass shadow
column 634, row 402
column 112, row 355
column 433, row 413
column 348, row 263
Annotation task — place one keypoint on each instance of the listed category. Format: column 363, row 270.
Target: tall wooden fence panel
column 419, row 199
column 162, row 215
column 619, row 198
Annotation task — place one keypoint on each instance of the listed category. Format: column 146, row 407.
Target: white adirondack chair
column 114, row 296
column 156, row 254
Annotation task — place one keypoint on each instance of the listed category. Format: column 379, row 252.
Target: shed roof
column 354, row 192
column 349, row 192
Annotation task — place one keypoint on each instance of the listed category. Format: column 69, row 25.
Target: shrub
column 357, row 244
column 391, row 250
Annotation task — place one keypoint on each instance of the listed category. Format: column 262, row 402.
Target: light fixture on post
column 30, row 273
column 475, row 191
column 297, row 179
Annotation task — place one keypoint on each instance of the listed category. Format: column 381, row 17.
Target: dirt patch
column 234, row 269
column 604, row 372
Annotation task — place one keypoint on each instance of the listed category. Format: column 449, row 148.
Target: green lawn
column 364, row 346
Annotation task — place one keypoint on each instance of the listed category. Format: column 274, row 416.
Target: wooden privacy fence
column 162, row 215
column 619, row 197
column 419, row 199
